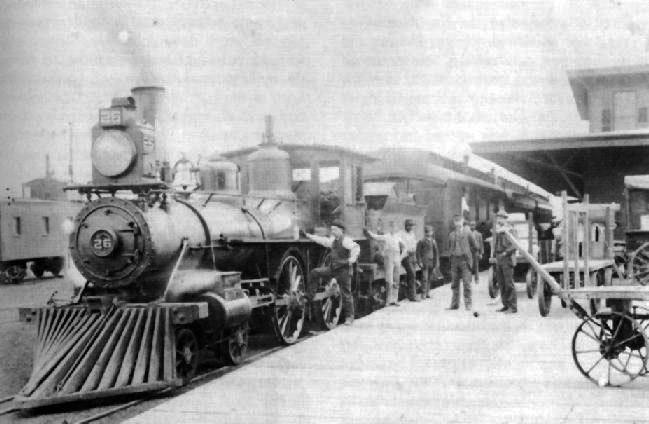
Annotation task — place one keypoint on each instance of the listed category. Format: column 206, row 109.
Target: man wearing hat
column 504, row 253
column 477, row 255
column 409, row 256
column 344, row 252
column 461, row 245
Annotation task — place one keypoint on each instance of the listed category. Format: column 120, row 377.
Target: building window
column 642, row 115
column 46, row 225
column 17, row 227
column 624, row 110
column 606, row 120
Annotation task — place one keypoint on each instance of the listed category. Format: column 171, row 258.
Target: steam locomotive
column 172, row 271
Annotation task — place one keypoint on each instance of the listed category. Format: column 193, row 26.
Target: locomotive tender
column 170, row 272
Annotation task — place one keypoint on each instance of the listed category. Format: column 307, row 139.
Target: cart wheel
column 492, row 283
column 531, row 281
column 640, row 264
column 186, row 354
column 235, row 347
column 290, row 306
column 596, row 303
column 610, row 349
column 544, row 297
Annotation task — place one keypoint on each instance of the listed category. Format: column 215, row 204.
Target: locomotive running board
column 84, row 354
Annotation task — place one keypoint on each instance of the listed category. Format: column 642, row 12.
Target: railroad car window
column 220, row 180
column 624, row 110
column 329, row 173
column 642, row 115
column 46, row 225
column 17, row 226
column 359, row 184
column 301, row 174
column 349, row 196
column 483, row 210
column 639, row 210
column 606, row 120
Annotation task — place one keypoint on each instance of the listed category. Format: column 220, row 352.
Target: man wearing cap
column 477, row 255
column 427, row 259
column 344, row 252
column 504, row 252
column 409, row 256
column 461, row 245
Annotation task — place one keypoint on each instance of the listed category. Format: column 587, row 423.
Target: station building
column 615, row 102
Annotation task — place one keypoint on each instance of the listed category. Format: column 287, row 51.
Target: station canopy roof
column 430, row 166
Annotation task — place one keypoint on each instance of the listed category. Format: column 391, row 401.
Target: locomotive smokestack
column 148, row 101
column 149, row 104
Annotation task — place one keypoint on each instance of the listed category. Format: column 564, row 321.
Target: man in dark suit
column 461, row 246
column 427, row 259
column 504, row 251
column 477, row 255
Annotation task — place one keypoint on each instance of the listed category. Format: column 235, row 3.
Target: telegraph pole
column 70, row 170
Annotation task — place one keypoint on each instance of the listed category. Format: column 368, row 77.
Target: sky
column 364, row 74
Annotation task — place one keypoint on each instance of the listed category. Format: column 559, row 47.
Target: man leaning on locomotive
column 344, row 253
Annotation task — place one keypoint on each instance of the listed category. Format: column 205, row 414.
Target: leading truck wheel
column 610, row 349
column 531, row 281
column 492, row 283
column 544, row 297
column 290, row 303
column 186, row 354
column 235, row 347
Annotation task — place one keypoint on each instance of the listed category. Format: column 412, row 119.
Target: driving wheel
column 330, row 308
column 290, row 303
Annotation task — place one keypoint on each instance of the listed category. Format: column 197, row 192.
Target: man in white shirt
column 344, row 253
column 409, row 256
column 391, row 258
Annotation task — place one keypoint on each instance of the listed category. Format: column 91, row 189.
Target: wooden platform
column 419, row 364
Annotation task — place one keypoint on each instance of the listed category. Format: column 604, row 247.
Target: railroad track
column 10, row 412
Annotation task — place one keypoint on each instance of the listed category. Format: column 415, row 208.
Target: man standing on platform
column 344, row 253
column 408, row 256
column 392, row 247
column 461, row 248
column 477, row 255
column 428, row 259
column 504, row 252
